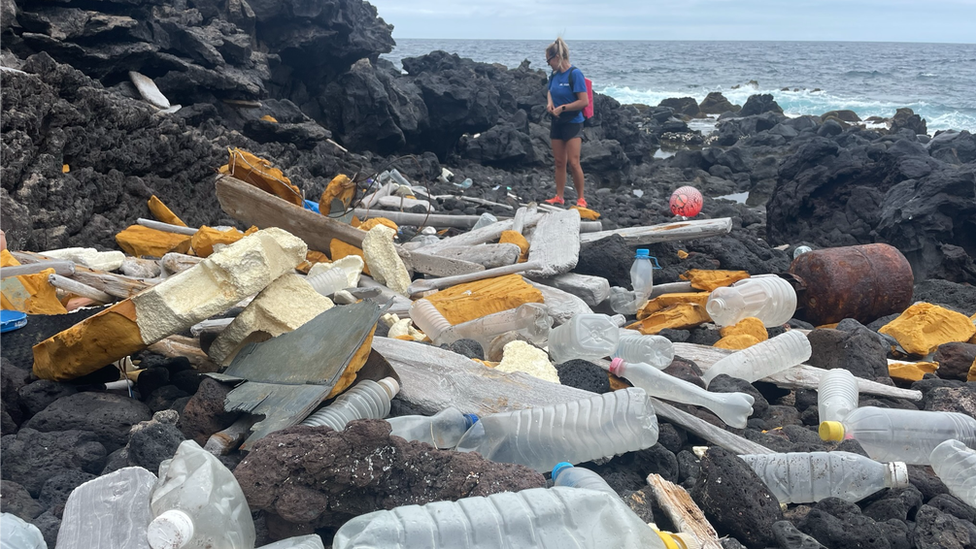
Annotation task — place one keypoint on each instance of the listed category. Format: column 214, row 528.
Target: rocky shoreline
column 82, row 153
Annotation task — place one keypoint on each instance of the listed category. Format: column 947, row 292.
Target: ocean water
column 937, row 81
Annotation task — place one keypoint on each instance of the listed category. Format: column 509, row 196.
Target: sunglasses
column 548, row 59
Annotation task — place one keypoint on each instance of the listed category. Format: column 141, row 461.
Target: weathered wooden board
column 666, row 232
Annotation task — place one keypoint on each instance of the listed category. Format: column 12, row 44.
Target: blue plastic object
column 314, row 206
column 470, row 419
column 12, row 320
column 559, row 467
column 642, row 252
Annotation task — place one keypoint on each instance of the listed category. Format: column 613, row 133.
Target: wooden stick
column 77, row 288
column 424, row 285
column 116, row 285
column 61, row 267
column 667, row 232
column 683, row 511
column 166, row 227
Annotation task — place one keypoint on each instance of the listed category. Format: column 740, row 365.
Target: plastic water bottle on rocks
column 198, row 504
column 576, row 431
column 837, row 394
column 441, row 430
column 807, row 477
column 889, row 434
column 428, row 319
column 565, row 474
column 585, row 336
column 766, row 297
column 311, row 541
column 367, row 399
column 764, row 358
column 485, row 220
column 732, row 408
column 642, row 275
column 955, row 464
column 20, row 534
column 537, row 518
column 109, row 511
column 633, row 346
column 531, row 320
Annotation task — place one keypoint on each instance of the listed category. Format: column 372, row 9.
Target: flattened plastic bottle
column 19, row 534
column 837, row 394
column 764, row 358
column 955, row 464
column 807, row 477
column 198, row 504
column 537, row 518
column 529, row 319
column 367, row 399
column 109, row 511
column 441, row 430
column 576, row 431
column 889, row 434
column 766, row 297
column 585, row 336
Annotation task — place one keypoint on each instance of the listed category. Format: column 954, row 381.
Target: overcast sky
column 818, row 20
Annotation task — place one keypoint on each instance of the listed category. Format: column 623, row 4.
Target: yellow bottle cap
column 680, row 540
column 832, row 430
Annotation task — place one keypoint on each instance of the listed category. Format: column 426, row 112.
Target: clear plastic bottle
column 537, row 518
column 732, row 408
column 764, row 358
column 198, row 504
column 889, row 434
column 766, row 297
column 642, row 275
column 330, row 281
column 576, row 431
column 807, row 477
column 565, row 474
column 398, row 177
column 837, row 394
column 441, row 430
column 428, row 319
column 585, row 336
column 955, row 464
column 529, row 319
column 633, row 346
column 485, row 220
column 367, row 399
column 311, row 541
column 109, row 511
column 20, row 534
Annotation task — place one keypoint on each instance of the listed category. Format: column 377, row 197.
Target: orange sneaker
column 581, row 202
column 556, row 200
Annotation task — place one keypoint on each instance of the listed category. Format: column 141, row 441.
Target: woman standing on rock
column 566, row 100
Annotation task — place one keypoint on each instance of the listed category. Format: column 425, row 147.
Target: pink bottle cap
column 615, row 365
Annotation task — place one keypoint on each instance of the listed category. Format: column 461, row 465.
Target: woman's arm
column 549, row 106
column 581, row 102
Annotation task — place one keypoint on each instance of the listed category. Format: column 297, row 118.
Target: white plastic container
column 889, row 434
column 367, row 399
column 529, row 319
column 576, row 431
column 441, row 430
column 426, row 317
column 766, row 297
column 565, row 474
column 585, row 336
column 537, row 518
column 329, row 282
column 837, row 394
column 311, row 541
column 109, row 511
column 764, row 358
column 807, row 477
column 955, row 464
column 732, row 408
column 198, row 504
column 633, row 346
column 20, row 534
column 484, row 220
column 642, row 275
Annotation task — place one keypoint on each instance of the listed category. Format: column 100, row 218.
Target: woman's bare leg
column 573, row 147
column 559, row 153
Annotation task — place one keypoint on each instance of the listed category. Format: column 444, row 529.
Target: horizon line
column 687, row 40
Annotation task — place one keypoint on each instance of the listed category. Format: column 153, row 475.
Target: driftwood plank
column 115, row 285
column 683, row 511
column 666, row 232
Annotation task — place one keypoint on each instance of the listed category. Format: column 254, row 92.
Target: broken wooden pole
column 64, row 268
column 666, row 232
column 79, row 289
column 684, row 513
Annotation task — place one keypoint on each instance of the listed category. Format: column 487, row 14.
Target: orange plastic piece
column 311, row 258
column 341, row 188
column 162, row 213
column 472, row 300
column 586, row 213
column 702, row 279
column 258, row 172
column 678, row 317
column 374, row 221
column 515, row 237
column 31, row 294
column 664, row 301
column 339, row 249
column 139, row 241
column 356, row 363
column 269, row 118
column 682, row 254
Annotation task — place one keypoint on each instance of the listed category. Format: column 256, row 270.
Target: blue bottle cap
column 642, row 252
column 470, row 419
column 12, row 320
column 559, row 467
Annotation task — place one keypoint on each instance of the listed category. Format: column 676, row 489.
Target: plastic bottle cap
column 681, row 540
column 170, row 530
column 559, row 467
column 615, row 365
column 642, row 252
column 471, row 419
column 832, row 430
column 390, row 385
column 898, row 472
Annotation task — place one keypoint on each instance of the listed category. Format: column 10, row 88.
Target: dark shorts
column 565, row 131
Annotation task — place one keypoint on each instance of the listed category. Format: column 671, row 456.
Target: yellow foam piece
column 162, row 213
column 269, row 118
column 749, row 325
column 339, row 249
column 586, row 213
column 911, row 371
column 682, row 254
column 31, row 294
column 664, row 301
column 973, row 339
column 374, row 221
column 139, row 241
column 341, row 188
column 678, row 317
column 515, row 237
column 356, row 363
column 258, row 172
column 311, row 258
column 971, row 376
column 736, row 342
column 702, row 279
column 924, row 326
column 472, row 300
column 203, row 241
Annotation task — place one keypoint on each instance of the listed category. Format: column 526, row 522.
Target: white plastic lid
column 898, row 473
column 170, row 530
column 390, row 385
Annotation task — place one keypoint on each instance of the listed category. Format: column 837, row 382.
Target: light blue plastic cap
column 642, row 252
column 470, row 419
column 559, row 467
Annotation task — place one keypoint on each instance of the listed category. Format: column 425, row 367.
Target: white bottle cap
column 170, row 530
column 390, row 385
column 898, row 474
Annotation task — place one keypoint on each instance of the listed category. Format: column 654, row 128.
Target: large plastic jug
column 585, row 336
column 109, row 511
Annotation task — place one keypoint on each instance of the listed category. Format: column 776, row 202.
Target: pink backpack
column 588, row 111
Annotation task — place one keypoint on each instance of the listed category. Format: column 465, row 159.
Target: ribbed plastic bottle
column 198, row 504
column 807, row 477
column 329, row 282
column 20, row 534
column 367, row 399
column 428, row 319
column 732, row 408
column 766, row 297
column 633, row 346
column 311, row 541
column 529, row 319
column 537, row 518
column 441, row 430
column 585, row 336
column 889, row 434
column 837, row 394
column 565, row 474
column 109, row 511
column 576, row 431
column 955, row 464
column 764, row 358
column 642, row 275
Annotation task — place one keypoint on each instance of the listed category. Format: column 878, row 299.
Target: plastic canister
column 584, row 336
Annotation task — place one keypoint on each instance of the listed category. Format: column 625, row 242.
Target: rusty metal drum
column 862, row 282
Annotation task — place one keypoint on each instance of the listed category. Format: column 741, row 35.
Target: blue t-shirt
column 561, row 93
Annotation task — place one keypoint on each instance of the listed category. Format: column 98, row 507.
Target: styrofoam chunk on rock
column 384, row 263
column 89, row 257
column 520, row 356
